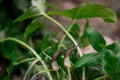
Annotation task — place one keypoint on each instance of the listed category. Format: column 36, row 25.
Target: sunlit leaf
column 89, row 10
column 111, row 65
column 96, row 39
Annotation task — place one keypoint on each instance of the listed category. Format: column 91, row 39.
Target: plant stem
column 65, row 31
column 61, row 41
column 34, row 62
column 83, row 73
column 32, row 50
column 102, row 77
column 69, row 74
column 39, row 73
column 58, row 74
column 46, row 55
column 72, row 39
column 25, row 60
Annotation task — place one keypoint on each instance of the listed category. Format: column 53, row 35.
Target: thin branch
column 34, row 62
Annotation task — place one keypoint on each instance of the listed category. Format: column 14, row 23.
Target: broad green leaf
column 89, row 10
column 37, row 9
column 111, row 65
column 35, row 25
column 115, row 47
column 88, row 60
column 95, row 39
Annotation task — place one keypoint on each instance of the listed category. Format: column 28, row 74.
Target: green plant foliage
column 89, row 10
column 96, row 39
column 111, row 65
column 35, row 25
column 88, row 60
column 84, row 39
column 62, row 75
column 46, row 42
column 74, row 31
column 46, row 49
column 33, row 11
column 37, row 9
column 52, row 6
column 38, row 69
column 94, row 71
column 115, row 47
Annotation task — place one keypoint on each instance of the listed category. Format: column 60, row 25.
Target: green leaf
column 89, row 10
column 111, row 65
column 88, row 60
column 37, row 9
column 52, row 6
column 83, row 39
column 46, row 42
column 115, row 47
column 96, row 39
column 32, row 28
column 74, row 31
column 33, row 11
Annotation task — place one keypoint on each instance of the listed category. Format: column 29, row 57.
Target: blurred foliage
column 10, row 52
column 10, row 9
column 30, row 34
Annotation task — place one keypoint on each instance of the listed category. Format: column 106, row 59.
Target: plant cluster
column 53, row 59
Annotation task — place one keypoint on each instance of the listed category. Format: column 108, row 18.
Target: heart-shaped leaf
column 89, row 10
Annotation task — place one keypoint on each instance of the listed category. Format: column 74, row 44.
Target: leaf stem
column 69, row 74
column 34, row 62
column 39, row 73
column 58, row 76
column 65, row 31
column 25, row 60
column 102, row 77
column 32, row 50
column 83, row 73
column 61, row 41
